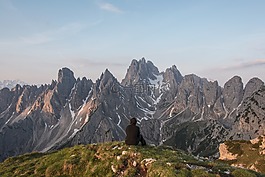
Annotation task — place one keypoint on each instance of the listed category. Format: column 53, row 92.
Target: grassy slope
column 248, row 154
column 115, row 159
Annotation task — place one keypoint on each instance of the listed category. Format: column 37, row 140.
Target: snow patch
column 171, row 112
column 74, row 133
column 86, row 120
column 84, row 102
column 226, row 111
column 158, row 81
column 10, row 118
column 119, row 123
column 71, row 111
column 158, row 99
column 201, row 118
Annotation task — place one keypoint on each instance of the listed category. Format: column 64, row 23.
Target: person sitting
column 133, row 135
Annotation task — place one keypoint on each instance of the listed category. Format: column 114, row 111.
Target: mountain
column 117, row 159
column 187, row 112
column 11, row 83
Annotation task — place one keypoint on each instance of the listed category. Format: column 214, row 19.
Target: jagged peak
column 106, row 75
column 236, row 78
column 255, row 80
column 105, row 78
column 142, row 60
column 17, row 88
column 53, row 84
column 173, row 69
column 252, row 85
column 66, row 82
column 172, row 73
column 140, row 70
column 65, row 73
column 234, row 81
column 192, row 77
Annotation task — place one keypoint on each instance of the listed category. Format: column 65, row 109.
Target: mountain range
column 187, row 112
column 11, row 83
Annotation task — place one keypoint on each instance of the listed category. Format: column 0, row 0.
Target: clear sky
column 216, row 39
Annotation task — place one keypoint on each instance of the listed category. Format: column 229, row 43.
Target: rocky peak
column 233, row 93
column 106, row 81
column 6, row 98
column 65, row 74
column 253, row 85
column 225, row 154
column 173, row 74
column 107, row 75
column 192, row 79
column 66, row 81
column 172, row 77
column 53, row 85
column 140, row 71
column 17, row 89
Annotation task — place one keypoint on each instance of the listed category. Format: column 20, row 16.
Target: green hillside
column 115, row 159
column 250, row 155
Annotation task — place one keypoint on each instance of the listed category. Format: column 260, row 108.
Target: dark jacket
column 133, row 135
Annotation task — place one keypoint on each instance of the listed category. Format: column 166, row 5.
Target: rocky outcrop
column 259, row 143
column 225, row 154
column 66, row 81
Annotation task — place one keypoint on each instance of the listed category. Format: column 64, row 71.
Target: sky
column 214, row 39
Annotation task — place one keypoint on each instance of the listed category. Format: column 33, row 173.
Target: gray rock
column 233, row 93
column 252, row 85
column 187, row 112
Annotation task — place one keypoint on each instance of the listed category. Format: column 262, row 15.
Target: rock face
column 187, row 112
column 250, row 121
column 225, row 154
column 233, row 93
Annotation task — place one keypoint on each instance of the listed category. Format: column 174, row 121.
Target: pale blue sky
column 216, row 39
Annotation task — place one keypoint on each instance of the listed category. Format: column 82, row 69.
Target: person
column 133, row 135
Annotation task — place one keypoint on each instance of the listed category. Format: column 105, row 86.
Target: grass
column 248, row 154
column 115, row 159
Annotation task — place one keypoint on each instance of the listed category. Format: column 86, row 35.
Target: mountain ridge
column 187, row 112
column 11, row 83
